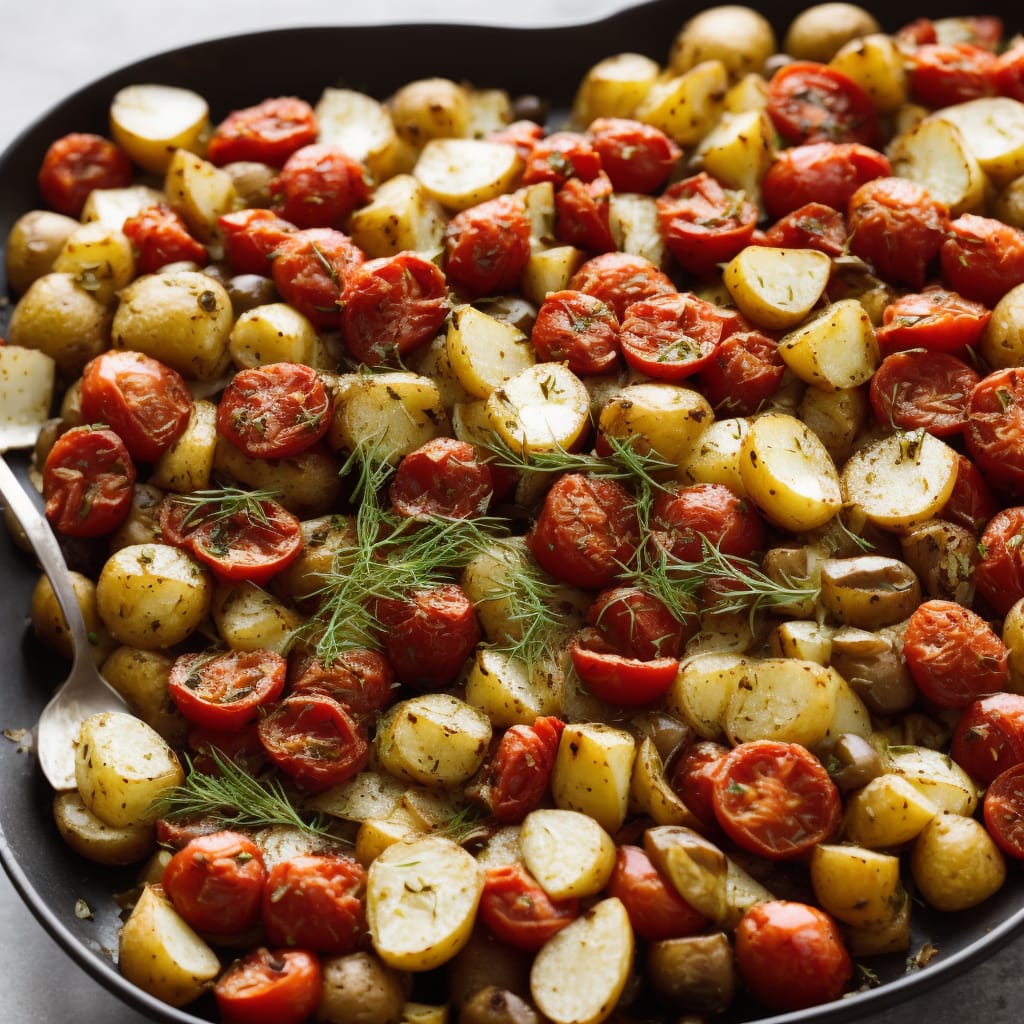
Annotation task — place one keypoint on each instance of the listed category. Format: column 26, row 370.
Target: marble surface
column 48, row 48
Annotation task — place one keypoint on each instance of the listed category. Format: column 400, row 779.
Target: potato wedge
column 702, row 691
column 550, row 270
column 715, row 457
column 401, row 215
column 695, row 866
column 370, row 794
column 92, row 838
column 249, row 619
column 686, row 106
column 362, row 127
column 856, row 885
column 100, row 259
column 614, row 87
column 993, row 131
column 592, row 772
column 777, row 287
column 887, row 812
column 936, row 776
column 506, row 691
column 738, row 151
column 633, row 220
column 460, row 173
column 150, row 122
column 200, row 192
column 650, row 792
column 542, row 408
column 113, row 206
column 835, row 350
column 876, row 63
column 567, row 852
column 484, row 352
column 187, row 465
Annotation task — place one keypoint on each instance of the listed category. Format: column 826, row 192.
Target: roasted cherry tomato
column 775, row 799
column 216, row 883
column 655, row 908
column 636, row 623
column 684, row 517
column 988, row 737
column 487, row 246
column 925, row 389
column 443, row 477
column 522, row 134
column 637, row 157
column 704, row 224
column 616, row 678
column 252, row 238
column 934, row 319
column 179, row 832
column 790, row 955
column 995, row 428
column 744, row 372
column 811, row 226
column 619, row 279
column 274, row 411
column 999, row 576
column 312, row 738
column 518, row 774
column 811, row 102
column 145, row 402
column 586, row 531
column 1003, row 811
column 316, row 903
column 982, row 258
column 972, row 503
column 579, row 330
column 1009, row 72
column 310, row 268
column 267, row 133
column 242, row 746
column 944, row 74
column 360, row 680
column 917, row 32
column 518, row 911
column 269, row 987
column 88, row 482
column 692, row 778
column 159, row 236
column 76, row 164
column 820, row 172
column 583, row 214
column 391, row 306
column 319, row 186
column 225, row 691
column 561, row 156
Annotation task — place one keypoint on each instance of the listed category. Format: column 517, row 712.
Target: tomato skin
column 636, row 623
column 811, row 226
column 487, row 247
column 1009, row 72
column 561, row 156
column 655, row 908
column 935, row 319
column 618, row 679
column 999, row 576
column 1003, row 811
column 443, row 477
column 988, row 737
column 267, row 133
column 982, row 258
column 269, row 987
column 587, row 529
column 775, row 799
column 312, row 738
column 159, row 236
column 790, row 955
column 925, row 389
column 360, row 680
column 145, row 402
column 685, row 515
column 252, row 238
column 578, row 329
column 88, row 482
column 391, row 306
column 582, row 213
column 517, row 776
column 995, row 426
column 522, row 134
column 972, row 504
column 216, row 882
column 227, row 690
column 637, row 157
column 692, row 778
column 77, row 163
column 315, row 903
column 744, row 372
column 319, row 186
column 242, row 746
column 811, row 102
column 619, row 279
column 519, row 912
column 942, row 75
column 310, row 268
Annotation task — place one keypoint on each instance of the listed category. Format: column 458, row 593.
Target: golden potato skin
column 738, row 36
column 956, row 863
column 360, row 989
column 820, row 31
column 33, row 244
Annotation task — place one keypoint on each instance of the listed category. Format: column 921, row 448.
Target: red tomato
column 225, row 691
column 310, row 268
column 360, row 680
column 519, row 912
column 264, row 987
column 972, row 503
column 316, row 903
column 159, row 236
column 692, row 778
column 988, row 737
column 319, row 186
column 917, row 32
column 655, row 908
column 145, row 402
column 180, row 832
column 274, row 411
column 428, row 637
column 391, row 306
column 683, row 517
column 636, row 623
column 242, row 746
column 811, row 226
column 926, row 389
column 637, row 157
column 1003, row 811
column 216, row 883
column 811, row 102
column 561, row 156
column 744, row 372
column 1009, row 72
column 267, row 133
column 579, row 330
column 443, row 477
column 312, row 738
column 88, row 482
column 619, row 279
column 487, row 246
column 618, row 679
column 897, row 227
column 941, row 75
column 523, row 135
column 704, row 224
column 995, row 428
column 999, row 576
column 935, row 319
column 953, row 654
column 252, row 238
column 820, row 172
column 586, row 531
column 76, row 164
column 582, row 212
column 518, row 774
column 775, row 799
column 982, row 258
column 790, row 955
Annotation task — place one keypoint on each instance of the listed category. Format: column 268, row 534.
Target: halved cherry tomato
column 972, row 503
column 577, row 329
column 692, row 778
column 225, row 691
column 487, row 246
column 391, row 306
column 319, row 186
column 179, row 832
column 443, row 477
column 269, row 987
column 518, row 911
column 561, row 156
column 316, row 903
column 988, row 737
column 790, row 955
column 820, row 172
column 812, row 102
column 216, row 882
column 522, row 134
column 683, row 517
column 811, row 226
column 744, row 372
column 982, row 258
column 583, row 212
column 704, row 224
column 586, row 531
column 616, row 678
column 636, row 623
column 917, row 32
column 88, row 482
column 144, row 401
column 619, row 279
column 516, row 778
column 159, row 236
column 637, row 157
column 76, row 164
column 242, row 746
column 312, row 738
column 995, row 429
column 310, row 268
column 944, row 74
column 655, row 908
column 1009, row 72
column 1003, row 811
column 953, row 654
column 926, row 389
column 252, row 238
column 935, row 319
column 274, row 411
column 267, row 133
column 999, row 576
column 775, row 799
column 360, row 680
